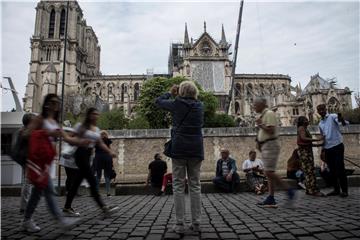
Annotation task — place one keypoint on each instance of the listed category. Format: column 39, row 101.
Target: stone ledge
column 217, row 132
column 139, row 188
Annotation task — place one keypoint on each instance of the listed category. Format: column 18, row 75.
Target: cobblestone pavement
column 225, row 216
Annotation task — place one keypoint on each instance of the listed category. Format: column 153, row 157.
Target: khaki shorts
column 270, row 154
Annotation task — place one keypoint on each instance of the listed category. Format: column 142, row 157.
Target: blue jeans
column 35, row 198
column 226, row 186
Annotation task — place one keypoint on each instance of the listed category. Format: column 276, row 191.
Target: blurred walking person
column 19, row 153
column 89, row 131
column 186, row 149
column 269, row 147
column 43, row 132
column 103, row 161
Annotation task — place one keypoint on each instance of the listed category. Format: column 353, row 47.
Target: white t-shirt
column 94, row 136
column 250, row 164
column 50, row 126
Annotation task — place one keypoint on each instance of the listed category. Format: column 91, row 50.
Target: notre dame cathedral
column 204, row 60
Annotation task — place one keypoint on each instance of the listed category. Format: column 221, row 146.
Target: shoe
column 268, row 202
column 344, row 194
column 333, row 193
column 301, row 185
column 109, row 211
column 29, row 226
column 160, row 193
column 316, row 194
column 70, row 212
column 178, row 228
column 22, row 211
column 291, row 194
column 108, row 195
column 67, row 223
column 195, row 228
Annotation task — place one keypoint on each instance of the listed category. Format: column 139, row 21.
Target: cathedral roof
column 317, row 83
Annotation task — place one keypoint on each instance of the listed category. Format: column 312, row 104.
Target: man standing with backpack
column 19, row 153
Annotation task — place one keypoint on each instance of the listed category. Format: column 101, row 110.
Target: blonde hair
column 103, row 132
column 188, row 89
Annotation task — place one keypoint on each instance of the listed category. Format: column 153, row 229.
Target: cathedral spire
column 186, row 37
column 204, row 26
column 223, row 38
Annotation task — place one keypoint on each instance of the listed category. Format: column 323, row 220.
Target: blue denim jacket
column 231, row 165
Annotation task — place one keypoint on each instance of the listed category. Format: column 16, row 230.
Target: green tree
column 114, row 119
column 139, row 122
column 155, row 87
column 219, row 120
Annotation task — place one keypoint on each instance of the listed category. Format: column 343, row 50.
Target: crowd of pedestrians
column 186, row 151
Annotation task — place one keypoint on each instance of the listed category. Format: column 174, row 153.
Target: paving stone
column 247, row 236
column 341, row 234
column 285, row 236
column 228, row 235
column 263, row 235
column 154, row 237
column 325, row 236
column 208, row 235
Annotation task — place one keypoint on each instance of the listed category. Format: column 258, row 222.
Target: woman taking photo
column 187, row 151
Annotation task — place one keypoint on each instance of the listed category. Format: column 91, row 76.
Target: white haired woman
column 187, row 150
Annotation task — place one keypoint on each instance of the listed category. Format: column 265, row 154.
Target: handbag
column 167, row 146
column 112, row 174
column 41, row 155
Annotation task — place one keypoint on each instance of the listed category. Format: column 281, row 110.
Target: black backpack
column 19, row 148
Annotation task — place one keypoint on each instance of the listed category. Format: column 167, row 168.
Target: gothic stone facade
column 204, row 60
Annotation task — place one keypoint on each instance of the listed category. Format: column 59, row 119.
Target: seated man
column 157, row 169
column 254, row 169
column 226, row 176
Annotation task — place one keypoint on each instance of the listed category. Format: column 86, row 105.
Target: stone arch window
column 62, row 23
column 237, row 108
column 333, row 105
column 249, row 90
column 237, row 90
column 136, row 91
column 48, row 54
column 52, row 24
column 262, row 89
column 88, row 91
column 78, row 80
column 59, row 54
column 123, row 91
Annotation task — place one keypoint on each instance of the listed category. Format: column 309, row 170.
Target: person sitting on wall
column 226, row 178
column 254, row 169
column 157, row 169
column 294, row 169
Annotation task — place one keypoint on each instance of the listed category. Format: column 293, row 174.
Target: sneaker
column 178, row 228
column 301, row 185
column 109, row 211
column 29, row 226
column 67, row 223
column 344, row 194
column 268, row 202
column 160, row 193
column 70, row 212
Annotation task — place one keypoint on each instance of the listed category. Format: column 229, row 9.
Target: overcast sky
column 299, row 39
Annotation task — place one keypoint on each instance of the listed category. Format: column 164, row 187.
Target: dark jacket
column 231, row 165
column 187, row 141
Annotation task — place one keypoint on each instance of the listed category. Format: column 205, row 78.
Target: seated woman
column 294, row 169
column 254, row 169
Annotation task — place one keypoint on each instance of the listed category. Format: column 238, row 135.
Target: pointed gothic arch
column 62, row 23
column 136, row 91
column 52, row 24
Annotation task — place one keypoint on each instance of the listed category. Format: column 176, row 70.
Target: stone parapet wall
column 136, row 148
